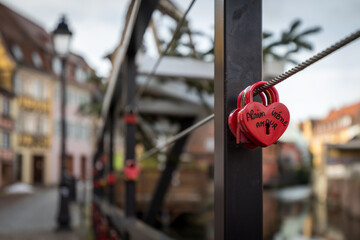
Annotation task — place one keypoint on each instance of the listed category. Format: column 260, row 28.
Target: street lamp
column 61, row 40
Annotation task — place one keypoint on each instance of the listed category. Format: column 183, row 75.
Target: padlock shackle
column 238, row 105
column 274, row 96
column 240, row 99
column 271, row 96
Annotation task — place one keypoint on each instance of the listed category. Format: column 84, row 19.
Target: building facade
column 339, row 127
column 36, row 103
column 79, row 128
column 33, row 125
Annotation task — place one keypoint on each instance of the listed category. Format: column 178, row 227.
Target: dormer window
column 80, row 75
column 18, row 54
column 346, row 121
column 35, row 57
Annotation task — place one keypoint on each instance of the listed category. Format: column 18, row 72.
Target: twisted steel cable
column 271, row 83
column 176, row 137
column 309, row 61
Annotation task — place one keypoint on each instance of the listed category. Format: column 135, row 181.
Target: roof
column 350, row 110
column 351, row 145
column 31, row 38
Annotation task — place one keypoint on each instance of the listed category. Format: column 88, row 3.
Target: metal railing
column 238, row 171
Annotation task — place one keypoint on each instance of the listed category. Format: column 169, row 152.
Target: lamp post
column 61, row 39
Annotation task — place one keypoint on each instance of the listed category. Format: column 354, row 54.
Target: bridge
column 133, row 96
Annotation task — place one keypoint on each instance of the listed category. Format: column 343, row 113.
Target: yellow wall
column 25, row 143
column 6, row 68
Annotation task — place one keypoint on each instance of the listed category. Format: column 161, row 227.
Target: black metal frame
column 238, row 170
column 130, row 128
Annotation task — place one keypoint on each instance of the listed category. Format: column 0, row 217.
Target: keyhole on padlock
column 267, row 128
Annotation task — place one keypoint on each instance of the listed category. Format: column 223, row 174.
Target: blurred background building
column 335, row 146
column 30, row 95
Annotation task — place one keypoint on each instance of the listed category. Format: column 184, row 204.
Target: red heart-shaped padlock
column 254, row 124
column 262, row 124
column 232, row 120
column 268, row 96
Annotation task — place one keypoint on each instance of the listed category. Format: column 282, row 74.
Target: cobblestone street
column 33, row 216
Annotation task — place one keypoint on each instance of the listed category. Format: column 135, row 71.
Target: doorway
column 6, row 172
column 69, row 165
column 18, row 168
column 38, row 169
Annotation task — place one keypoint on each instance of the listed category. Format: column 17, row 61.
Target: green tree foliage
column 292, row 40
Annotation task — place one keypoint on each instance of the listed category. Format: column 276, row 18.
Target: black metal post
column 238, row 170
column 130, row 128
column 166, row 176
column 111, row 176
column 63, row 218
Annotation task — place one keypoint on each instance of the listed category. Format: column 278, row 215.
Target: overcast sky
column 328, row 84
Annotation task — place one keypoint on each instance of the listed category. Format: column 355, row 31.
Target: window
column 346, row 121
column 20, row 123
column 78, row 131
column 17, row 84
column 41, row 125
column 37, row 89
column 58, row 128
column 30, row 123
column 58, row 93
column 69, row 129
column 80, row 75
column 18, row 54
column 38, row 124
column 45, row 126
column 6, row 107
column 84, row 133
column 6, row 140
column 36, row 59
column 87, row 133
